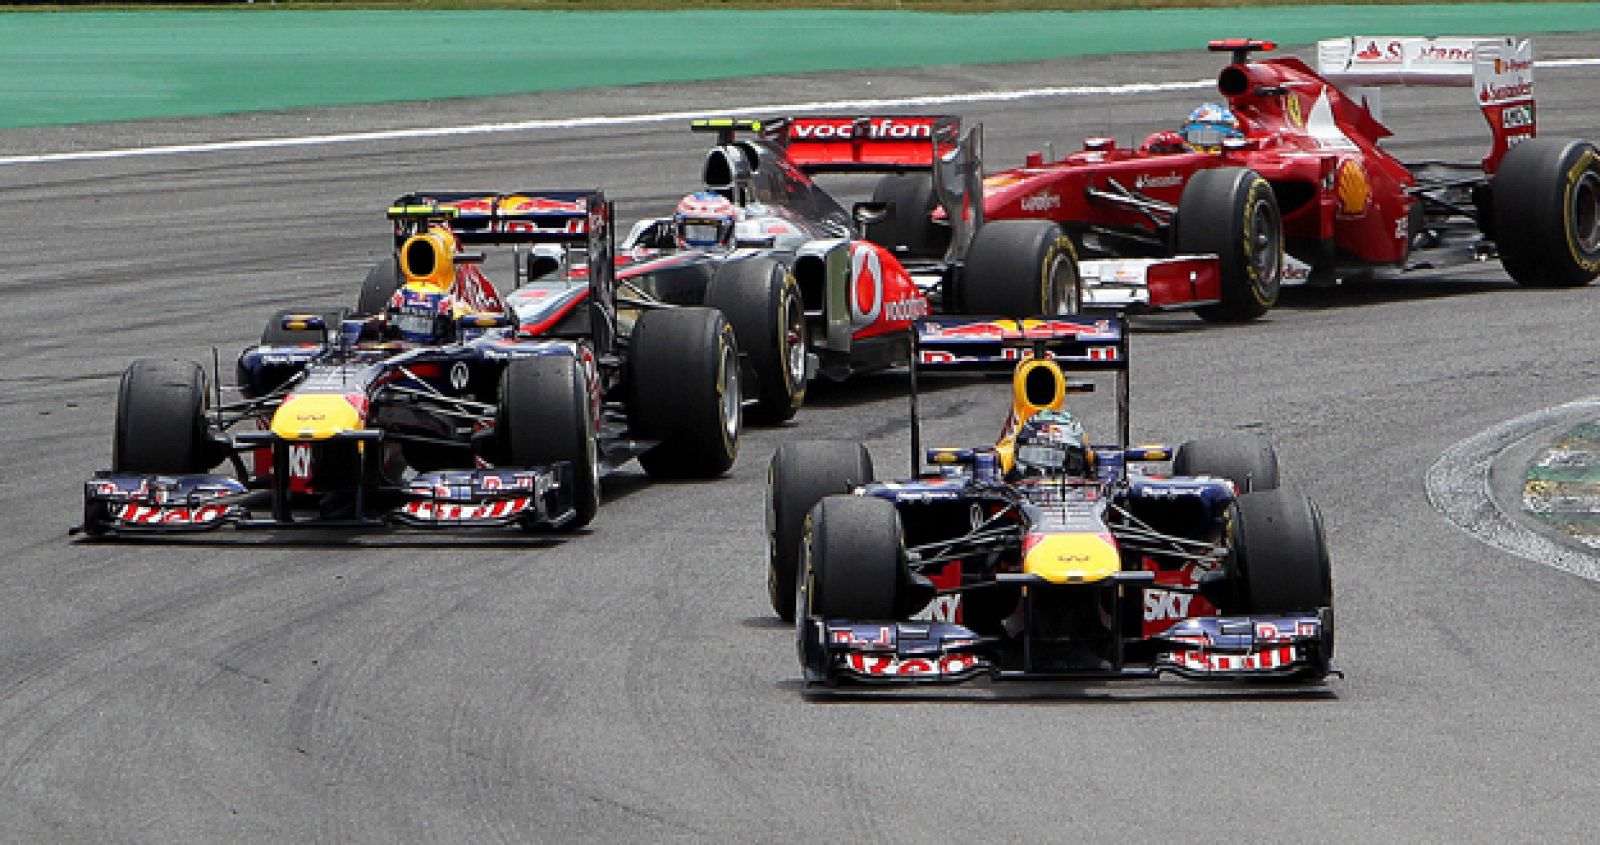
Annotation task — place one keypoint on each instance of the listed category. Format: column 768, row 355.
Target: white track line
column 1457, row 486
column 647, row 118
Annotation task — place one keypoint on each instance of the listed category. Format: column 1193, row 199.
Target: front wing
column 1241, row 648
column 121, row 503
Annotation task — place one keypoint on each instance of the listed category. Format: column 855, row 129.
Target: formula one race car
column 1290, row 163
column 762, row 236
column 1044, row 556
column 432, row 406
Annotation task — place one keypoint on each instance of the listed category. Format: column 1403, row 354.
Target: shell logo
column 1352, row 188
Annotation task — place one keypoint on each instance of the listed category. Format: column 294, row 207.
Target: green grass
column 967, row 6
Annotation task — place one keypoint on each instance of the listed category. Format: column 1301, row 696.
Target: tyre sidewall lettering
column 1049, row 304
column 1588, row 162
column 1257, row 197
column 788, row 293
column 724, row 343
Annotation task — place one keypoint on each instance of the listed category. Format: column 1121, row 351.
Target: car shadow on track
column 1381, row 290
column 884, row 385
column 1051, row 692
column 1355, row 293
column 334, row 538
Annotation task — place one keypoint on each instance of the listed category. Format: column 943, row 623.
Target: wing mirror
column 871, row 213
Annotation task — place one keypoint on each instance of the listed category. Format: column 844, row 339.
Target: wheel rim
column 794, row 341
column 1062, row 288
column 728, row 385
column 1584, row 212
column 1266, row 254
column 594, row 465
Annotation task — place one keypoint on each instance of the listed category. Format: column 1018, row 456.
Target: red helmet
column 1163, row 142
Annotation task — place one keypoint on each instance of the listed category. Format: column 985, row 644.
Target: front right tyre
column 161, row 423
column 799, row 475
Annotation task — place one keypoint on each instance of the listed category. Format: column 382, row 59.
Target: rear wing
column 999, row 345
column 866, row 144
column 1498, row 69
column 579, row 219
column 988, row 344
column 870, row 144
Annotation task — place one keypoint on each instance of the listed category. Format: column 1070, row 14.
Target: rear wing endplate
column 579, row 218
column 1499, row 69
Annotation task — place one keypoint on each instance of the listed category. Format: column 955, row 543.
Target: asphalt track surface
column 628, row 683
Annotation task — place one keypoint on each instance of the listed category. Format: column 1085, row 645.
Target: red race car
column 1284, row 182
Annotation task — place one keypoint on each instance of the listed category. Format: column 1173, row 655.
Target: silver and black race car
column 1045, row 555
column 432, row 405
column 813, row 287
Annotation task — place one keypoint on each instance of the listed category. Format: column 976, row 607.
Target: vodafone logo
column 866, row 288
column 883, row 128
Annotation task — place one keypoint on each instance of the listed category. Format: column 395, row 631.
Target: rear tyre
column 854, row 560
column 161, row 419
column 910, row 231
column 1020, row 268
column 799, row 475
column 683, row 381
column 381, row 283
column 276, row 335
column 1231, row 212
column 1280, row 558
column 1547, row 212
column 760, row 298
column 546, row 415
column 1248, row 461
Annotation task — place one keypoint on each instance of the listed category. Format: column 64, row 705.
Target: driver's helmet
column 421, row 313
column 704, row 220
column 1050, row 444
column 1209, row 124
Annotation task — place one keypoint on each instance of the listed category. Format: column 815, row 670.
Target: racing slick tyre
column 1231, row 212
column 799, row 475
column 275, row 334
column 909, row 231
column 1020, row 268
column 683, row 390
column 760, row 297
column 1280, row 559
column 381, row 283
column 546, row 415
column 854, row 560
column 161, row 419
column 1248, row 461
column 1547, row 212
